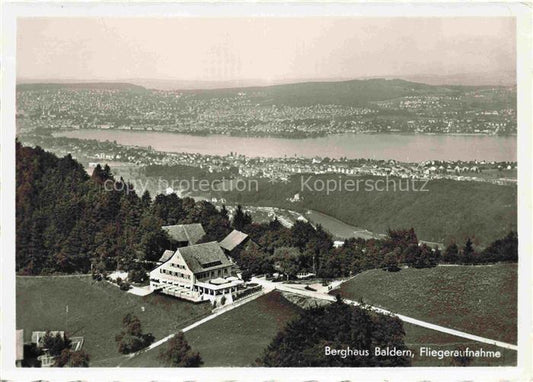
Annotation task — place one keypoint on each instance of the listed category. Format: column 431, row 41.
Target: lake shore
column 400, row 147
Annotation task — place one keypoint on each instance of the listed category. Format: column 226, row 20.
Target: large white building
column 196, row 273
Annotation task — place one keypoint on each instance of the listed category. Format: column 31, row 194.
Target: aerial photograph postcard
column 266, row 192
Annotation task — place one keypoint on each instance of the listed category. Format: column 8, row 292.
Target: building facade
column 197, row 273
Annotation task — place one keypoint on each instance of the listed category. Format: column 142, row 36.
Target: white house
column 196, row 273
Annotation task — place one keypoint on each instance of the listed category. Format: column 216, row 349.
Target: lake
column 401, row 147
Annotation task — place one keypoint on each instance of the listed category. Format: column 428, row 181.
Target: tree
column 411, row 254
column 425, row 257
column 401, row 238
column 79, row 359
column 505, row 249
column 131, row 338
column 55, row 344
column 390, row 263
column 253, row 260
column 303, row 341
column 241, row 218
column 137, row 274
column 246, row 275
column 274, row 224
column 286, row 261
column 301, row 233
column 451, row 253
column 224, row 212
column 179, row 353
column 71, row 358
column 468, row 252
column 146, row 199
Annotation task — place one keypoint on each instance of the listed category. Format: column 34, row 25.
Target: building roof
column 20, row 345
column 166, row 256
column 219, row 281
column 202, row 257
column 191, row 233
column 233, row 239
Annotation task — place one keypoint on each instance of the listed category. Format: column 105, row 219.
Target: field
column 481, row 300
column 95, row 311
column 252, row 327
column 235, row 338
column 417, row 337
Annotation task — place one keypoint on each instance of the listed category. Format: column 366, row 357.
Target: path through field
column 222, row 310
column 414, row 321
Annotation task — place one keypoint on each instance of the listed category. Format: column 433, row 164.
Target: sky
column 261, row 49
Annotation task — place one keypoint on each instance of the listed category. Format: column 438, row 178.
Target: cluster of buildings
column 158, row 110
column 44, row 359
column 273, row 168
column 199, row 272
column 481, row 111
column 245, row 114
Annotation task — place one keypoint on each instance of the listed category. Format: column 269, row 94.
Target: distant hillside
column 80, row 85
column 474, row 79
column 449, row 211
column 348, row 93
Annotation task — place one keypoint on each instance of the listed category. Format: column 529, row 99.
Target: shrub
column 137, row 275
column 131, row 338
column 179, row 353
column 340, row 325
column 72, row 359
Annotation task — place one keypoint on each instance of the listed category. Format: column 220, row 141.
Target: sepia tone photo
column 266, row 192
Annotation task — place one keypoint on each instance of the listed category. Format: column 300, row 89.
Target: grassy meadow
column 417, row 337
column 238, row 337
column 235, row 338
column 480, row 299
column 95, row 311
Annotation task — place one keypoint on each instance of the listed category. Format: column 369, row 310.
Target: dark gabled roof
column 233, row 239
column 166, row 256
column 202, row 257
column 191, row 233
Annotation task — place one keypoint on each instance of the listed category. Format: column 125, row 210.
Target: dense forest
column 337, row 327
column 304, row 248
column 449, row 211
column 70, row 222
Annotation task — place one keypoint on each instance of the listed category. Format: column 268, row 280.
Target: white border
column 368, row 9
